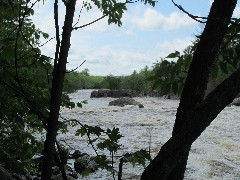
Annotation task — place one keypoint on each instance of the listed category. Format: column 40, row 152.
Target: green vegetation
column 23, row 100
column 75, row 81
column 31, row 86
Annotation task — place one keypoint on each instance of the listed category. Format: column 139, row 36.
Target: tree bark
column 198, row 75
column 173, row 150
column 196, row 83
column 56, row 93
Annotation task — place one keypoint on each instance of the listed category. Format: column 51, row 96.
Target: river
column 214, row 155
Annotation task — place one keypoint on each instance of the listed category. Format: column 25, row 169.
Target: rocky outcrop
column 125, row 101
column 85, row 162
column 110, row 93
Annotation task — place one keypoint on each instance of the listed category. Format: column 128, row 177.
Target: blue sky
column 146, row 35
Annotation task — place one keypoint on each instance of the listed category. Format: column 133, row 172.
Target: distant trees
column 32, row 86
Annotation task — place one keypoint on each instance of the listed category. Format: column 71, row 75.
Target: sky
column 147, row 34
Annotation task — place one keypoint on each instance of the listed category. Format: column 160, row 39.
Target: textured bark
column 194, row 91
column 56, row 93
column 198, row 76
column 170, row 153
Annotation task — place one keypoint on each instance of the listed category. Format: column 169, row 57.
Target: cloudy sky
column 146, row 35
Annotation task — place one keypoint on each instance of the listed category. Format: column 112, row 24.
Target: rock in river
column 125, row 101
column 110, row 93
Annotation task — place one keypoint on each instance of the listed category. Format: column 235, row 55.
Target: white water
column 214, row 155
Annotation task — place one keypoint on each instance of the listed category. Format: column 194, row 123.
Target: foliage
column 169, row 77
column 22, row 97
column 80, row 80
column 114, row 9
column 113, row 82
column 140, row 157
column 109, row 140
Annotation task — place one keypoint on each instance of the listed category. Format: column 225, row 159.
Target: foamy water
column 214, row 155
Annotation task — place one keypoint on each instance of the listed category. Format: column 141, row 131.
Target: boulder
column 140, row 106
column 85, row 162
column 110, row 93
column 125, row 101
column 76, row 154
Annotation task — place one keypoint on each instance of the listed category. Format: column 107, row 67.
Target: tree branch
column 76, row 67
column 200, row 119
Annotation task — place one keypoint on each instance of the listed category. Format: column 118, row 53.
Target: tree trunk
column 195, row 86
column 175, row 148
column 56, row 93
column 198, row 76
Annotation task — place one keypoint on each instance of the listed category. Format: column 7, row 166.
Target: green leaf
column 62, row 127
column 81, row 132
column 102, row 162
column 85, row 172
column 140, row 157
column 79, row 104
column 174, row 55
column 85, row 102
column 114, row 134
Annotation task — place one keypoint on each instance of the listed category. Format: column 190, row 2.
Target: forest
column 205, row 77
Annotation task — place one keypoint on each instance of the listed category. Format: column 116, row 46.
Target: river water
column 214, row 155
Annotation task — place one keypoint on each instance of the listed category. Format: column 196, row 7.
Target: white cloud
column 111, row 57
column 236, row 12
column 110, row 60
column 210, row 2
column 154, row 20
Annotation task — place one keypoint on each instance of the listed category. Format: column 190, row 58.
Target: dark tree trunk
column 198, row 75
column 56, row 93
column 175, row 148
column 194, row 90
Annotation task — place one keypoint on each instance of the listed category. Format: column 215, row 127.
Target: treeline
column 167, row 76
column 136, row 82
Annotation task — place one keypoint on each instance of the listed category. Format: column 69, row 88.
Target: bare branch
column 196, row 18
column 79, row 16
column 98, row 19
column 76, row 67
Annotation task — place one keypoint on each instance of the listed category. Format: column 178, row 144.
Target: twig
column 88, row 135
column 190, row 15
column 46, row 42
column 76, row 67
column 109, row 12
column 113, row 174
column 60, row 159
column 80, row 12
column 196, row 18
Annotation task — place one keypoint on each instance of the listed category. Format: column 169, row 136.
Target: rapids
column 214, row 155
